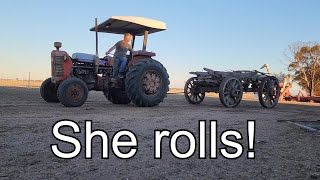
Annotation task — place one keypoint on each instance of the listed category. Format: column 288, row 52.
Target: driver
column 120, row 59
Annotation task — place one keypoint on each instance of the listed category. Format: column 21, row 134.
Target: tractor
column 146, row 81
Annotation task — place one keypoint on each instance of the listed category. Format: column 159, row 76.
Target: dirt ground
column 283, row 150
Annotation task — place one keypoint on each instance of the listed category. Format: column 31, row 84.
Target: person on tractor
column 120, row 59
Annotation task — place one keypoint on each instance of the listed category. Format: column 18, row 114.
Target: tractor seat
column 83, row 57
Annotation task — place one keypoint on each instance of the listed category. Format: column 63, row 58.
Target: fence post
column 29, row 81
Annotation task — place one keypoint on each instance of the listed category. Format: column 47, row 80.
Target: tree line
column 304, row 64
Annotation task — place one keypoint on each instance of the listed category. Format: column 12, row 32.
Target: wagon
column 230, row 85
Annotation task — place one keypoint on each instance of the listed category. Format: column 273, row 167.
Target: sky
column 221, row 35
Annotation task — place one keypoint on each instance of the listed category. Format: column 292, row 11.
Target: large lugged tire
column 117, row 96
column 73, row 92
column 48, row 91
column 147, row 83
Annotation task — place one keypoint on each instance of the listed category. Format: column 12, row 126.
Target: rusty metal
column 74, row 92
column 151, row 82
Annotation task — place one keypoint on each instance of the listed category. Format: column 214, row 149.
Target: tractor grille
column 57, row 66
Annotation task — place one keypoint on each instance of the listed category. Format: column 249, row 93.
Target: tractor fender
column 137, row 59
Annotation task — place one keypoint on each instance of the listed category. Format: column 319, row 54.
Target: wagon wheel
column 230, row 92
column 191, row 93
column 269, row 92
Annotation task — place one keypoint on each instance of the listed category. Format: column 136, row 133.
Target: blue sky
column 221, row 35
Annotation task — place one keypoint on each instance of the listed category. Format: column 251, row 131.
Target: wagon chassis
column 230, row 85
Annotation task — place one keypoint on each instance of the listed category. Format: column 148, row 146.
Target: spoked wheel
column 191, row 94
column 230, row 92
column 269, row 92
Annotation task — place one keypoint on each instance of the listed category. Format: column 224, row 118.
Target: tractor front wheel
column 147, row 83
column 73, row 92
column 48, row 91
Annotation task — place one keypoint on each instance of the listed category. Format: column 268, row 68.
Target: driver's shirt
column 121, row 49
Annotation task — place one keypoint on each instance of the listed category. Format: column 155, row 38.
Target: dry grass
column 20, row 83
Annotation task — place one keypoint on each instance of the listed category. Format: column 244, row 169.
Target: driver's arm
column 111, row 49
column 130, row 49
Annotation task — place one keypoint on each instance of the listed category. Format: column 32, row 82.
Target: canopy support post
column 132, row 45
column 133, row 40
column 145, row 39
column 96, row 63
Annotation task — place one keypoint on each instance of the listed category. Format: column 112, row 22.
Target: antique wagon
column 230, row 85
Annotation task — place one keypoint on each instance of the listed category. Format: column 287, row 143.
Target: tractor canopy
column 130, row 24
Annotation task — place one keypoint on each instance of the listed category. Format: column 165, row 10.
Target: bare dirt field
column 283, row 150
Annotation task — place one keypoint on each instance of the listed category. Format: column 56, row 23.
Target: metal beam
column 145, row 39
column 132, row 45
column 96, row 63
column 133, row 40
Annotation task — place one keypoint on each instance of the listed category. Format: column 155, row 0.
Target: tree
column 281, row 76
column 304, row 62
column 317, row 91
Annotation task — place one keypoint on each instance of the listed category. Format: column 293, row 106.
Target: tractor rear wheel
column 73, row 92
column 117, row 96
column 48, row 91
column 147, row 83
